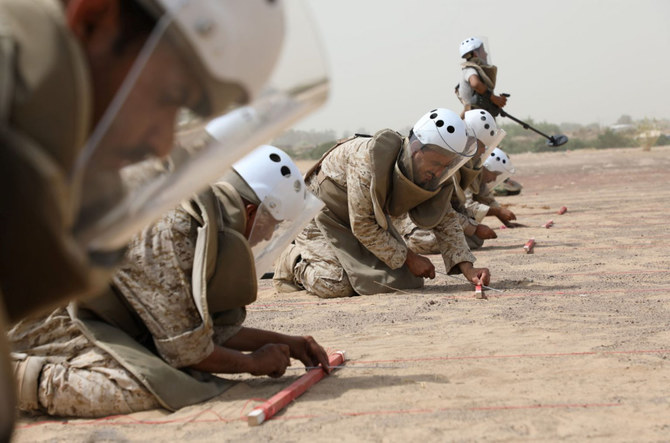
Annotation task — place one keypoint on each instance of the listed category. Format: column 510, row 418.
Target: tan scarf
column 487, row 73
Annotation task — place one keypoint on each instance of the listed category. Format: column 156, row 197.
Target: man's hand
column 484, row 232
column 419, row 265
column 478, row 276
column 271, row 359
column 498, row 100
column 308, row 351
column 505, row 215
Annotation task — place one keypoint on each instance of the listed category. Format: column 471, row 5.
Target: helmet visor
column 500, row 176
column 433, row 165
column 156, row 144
column 269, row 236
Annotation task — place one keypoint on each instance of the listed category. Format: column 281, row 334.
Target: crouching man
column 173, row 315
column 352, row 247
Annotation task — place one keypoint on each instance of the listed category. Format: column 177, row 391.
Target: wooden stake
column 279, row 401
column 563, row 210
column 528, row 247
column 548, row 224
column 479, row 292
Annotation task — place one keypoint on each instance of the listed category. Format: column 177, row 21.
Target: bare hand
column 505, row 215
column 484, row 232
column 271, row 359
column 309, row 352
column 478, row 276
column 498, row 100
column 419, row 265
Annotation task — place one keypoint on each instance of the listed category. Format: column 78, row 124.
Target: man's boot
column 284, row 278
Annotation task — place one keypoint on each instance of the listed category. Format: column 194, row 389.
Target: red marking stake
column 548, row 224
column 479, row 292
column 528, row 247
column 279, row 401
column 563, row 210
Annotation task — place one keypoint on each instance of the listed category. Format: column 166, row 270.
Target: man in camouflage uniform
column 178, row 303
column 352, row 247
column 61, row 65
column 467, row 183
column 477, row 202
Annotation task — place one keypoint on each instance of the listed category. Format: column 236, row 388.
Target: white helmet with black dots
column 485, row 127
column 439, row 144
column 275, row 179
column 498, row 161
column 469, row 45
column 445, row 129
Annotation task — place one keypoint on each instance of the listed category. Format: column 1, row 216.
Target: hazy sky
column 582, row 61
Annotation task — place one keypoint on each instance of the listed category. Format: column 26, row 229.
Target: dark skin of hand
column 505, row 216
column 422, row 267
column 269, row 354
column 484, row 232
column 479, row 86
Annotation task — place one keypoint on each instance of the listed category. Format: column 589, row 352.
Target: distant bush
column 312, row 144
column 663, row 140
column 318, row 150
column 611, row 139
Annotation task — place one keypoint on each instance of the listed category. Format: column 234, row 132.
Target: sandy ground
column 575, row 348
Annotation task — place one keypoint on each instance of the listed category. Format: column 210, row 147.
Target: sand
column 575, row 348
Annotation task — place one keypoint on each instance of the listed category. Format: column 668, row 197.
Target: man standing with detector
column 351, row 247
column 476, row 89
column 173, row 315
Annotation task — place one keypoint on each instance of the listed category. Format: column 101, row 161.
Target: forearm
column 224, row 361
column 250, row 339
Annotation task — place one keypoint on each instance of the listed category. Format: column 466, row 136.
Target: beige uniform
column 81, row 379
column 320, row 270
column 471, row 202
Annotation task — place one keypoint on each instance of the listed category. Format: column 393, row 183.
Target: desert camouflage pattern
column 319, row 271
column 478, row 203
column 80, row 379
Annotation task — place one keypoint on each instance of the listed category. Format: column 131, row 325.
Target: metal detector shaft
column 525, row 125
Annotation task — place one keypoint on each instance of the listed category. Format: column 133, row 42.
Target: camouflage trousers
column 423, row 241
column 90, row 384
column 318, row 270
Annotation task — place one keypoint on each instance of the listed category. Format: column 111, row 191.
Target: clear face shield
column 483, row 153
column 152, row 148
column 270, row 236
column 433, row 165
column 484, row 51
column 495, row 178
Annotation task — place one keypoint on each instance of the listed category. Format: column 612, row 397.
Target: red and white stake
column 563, row 210
column 479, row 292
column 279, row 401
column 528, row 247
column 548, row 224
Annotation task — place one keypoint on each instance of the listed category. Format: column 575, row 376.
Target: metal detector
column 552, row 140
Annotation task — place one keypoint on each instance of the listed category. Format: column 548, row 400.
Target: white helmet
column 230, row 43
column 445, row 129
column 499, row 163
column 484, row 126
column 444, row 133
column 212, row 56
column 469, row 45
column 286, row 203
column 275, row 179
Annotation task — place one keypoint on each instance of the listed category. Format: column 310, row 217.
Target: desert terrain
column 574, row 348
